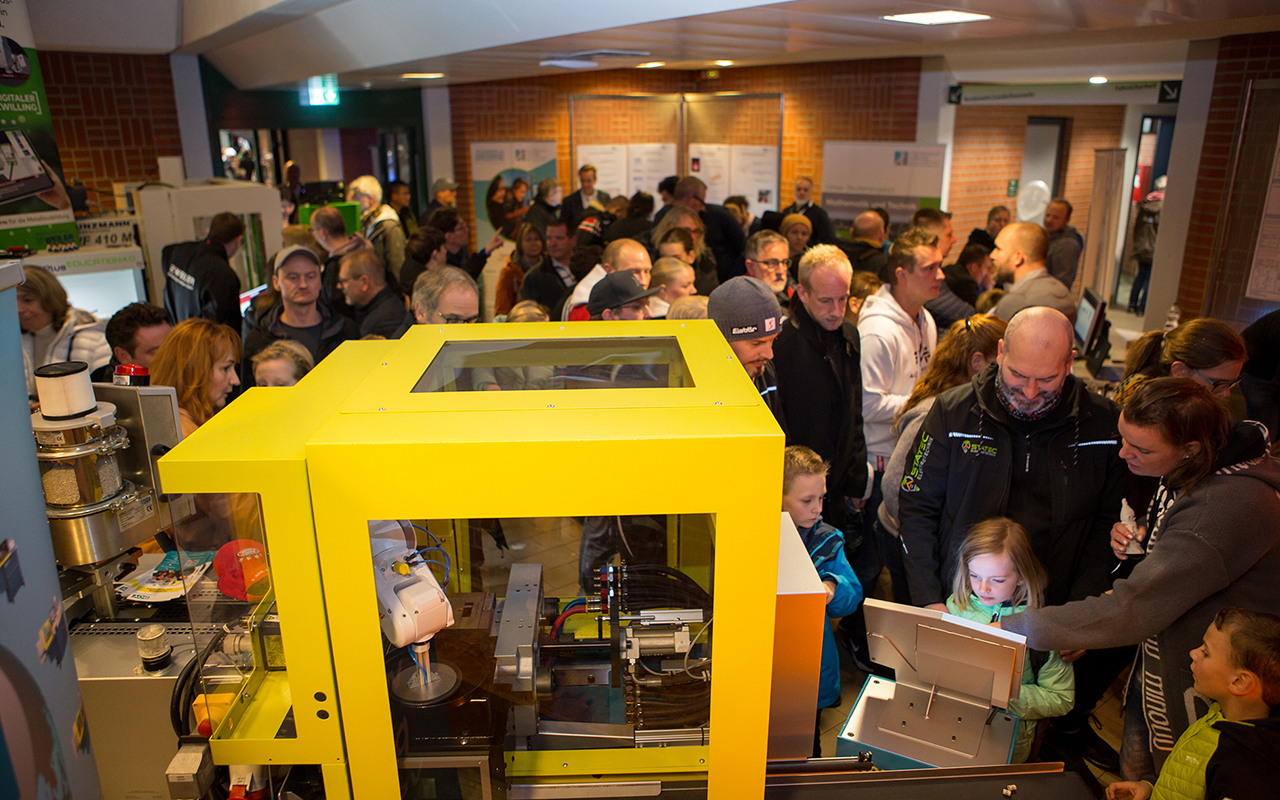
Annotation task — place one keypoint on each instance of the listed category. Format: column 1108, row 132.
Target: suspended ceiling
column 263, row 44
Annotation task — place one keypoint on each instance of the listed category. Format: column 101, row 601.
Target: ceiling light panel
column 937, row 17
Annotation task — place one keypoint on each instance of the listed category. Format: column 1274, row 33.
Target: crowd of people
column 936, row 434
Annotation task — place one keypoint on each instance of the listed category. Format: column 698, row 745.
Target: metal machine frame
column 352, row 443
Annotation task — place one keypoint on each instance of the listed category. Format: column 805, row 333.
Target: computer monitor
column 1089, row 316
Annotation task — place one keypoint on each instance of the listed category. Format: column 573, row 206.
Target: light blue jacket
column 1051, row 693
column 826, row 548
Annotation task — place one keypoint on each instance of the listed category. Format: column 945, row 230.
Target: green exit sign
column 322, row 90
column 1012, row 191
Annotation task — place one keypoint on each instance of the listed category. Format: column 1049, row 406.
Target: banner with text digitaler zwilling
column 35, row 210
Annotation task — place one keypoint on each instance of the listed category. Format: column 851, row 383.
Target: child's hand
column 830, row 586
column 1129, row 790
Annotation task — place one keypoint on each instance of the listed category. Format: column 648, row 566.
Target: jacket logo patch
column 911, row 478
column 975, row 448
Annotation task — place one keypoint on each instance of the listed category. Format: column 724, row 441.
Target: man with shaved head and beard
column 1028, row 441
column 1019, row 257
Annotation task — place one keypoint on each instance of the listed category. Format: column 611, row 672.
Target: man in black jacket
column 199, row 280
column 299, row 315
column 1024, row 440
column 823, row 232
column 820, row 380
column 750, row 319
column 379, row 308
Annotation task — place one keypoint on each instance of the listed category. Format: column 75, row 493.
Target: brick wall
column 847, row 100
column 988, row 154
column 1240, row 60
column 870, row 100
column 113, row 115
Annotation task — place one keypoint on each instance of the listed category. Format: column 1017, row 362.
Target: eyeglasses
column 1218, row 385
column 774, row 264
column 454, row 319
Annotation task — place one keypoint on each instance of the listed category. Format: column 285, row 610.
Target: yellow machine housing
column 374, row 433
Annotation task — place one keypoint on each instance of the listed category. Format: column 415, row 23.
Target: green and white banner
column 35, row 210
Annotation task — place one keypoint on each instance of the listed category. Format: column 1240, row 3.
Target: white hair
column 367, row 186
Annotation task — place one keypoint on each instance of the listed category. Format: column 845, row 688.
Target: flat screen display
column 1086, row 319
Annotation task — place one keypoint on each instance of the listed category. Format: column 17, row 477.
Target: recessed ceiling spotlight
column 724, row 63
column 651, row 65
column 936, row 17
column 1098, row 79
column 422, row 76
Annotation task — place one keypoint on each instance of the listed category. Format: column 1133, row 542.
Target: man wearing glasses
column 767, row 259
column 446, row 296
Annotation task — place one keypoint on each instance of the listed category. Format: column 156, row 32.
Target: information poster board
column 899, row 177
column 610, row 161
column 753, row 173
column 648, row 165
column 35, row 210
column 1264, row 275
column 710, row 162
column 495, row 168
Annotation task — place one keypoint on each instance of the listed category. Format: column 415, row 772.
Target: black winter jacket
column 334, row 330
column 822, row 401
column 199, row 282
column 959, row 471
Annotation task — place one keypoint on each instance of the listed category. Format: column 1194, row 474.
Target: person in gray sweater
column 1214, row 541
column 967, row 348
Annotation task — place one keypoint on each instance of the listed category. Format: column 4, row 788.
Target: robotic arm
column 411, row 605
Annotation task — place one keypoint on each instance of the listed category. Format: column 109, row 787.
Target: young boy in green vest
column 1233, row 751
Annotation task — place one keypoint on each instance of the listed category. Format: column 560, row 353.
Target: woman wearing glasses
column 1205, row 350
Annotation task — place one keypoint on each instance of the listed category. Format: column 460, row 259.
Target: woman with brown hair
column 1214, row 541
column 966, row 350
column 530, row 253
column 198, row 359
column 968, row 347
column 1205, row 350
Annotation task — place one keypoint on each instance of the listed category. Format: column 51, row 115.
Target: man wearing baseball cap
column 299, row 315
column 748, row 314
column 619, row 295
column 444, row 193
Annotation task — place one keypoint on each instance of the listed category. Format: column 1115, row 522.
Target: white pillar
column 437, row 133
column 193, row 122
column 1184, row 170
column 329, row 152
column 935, row 117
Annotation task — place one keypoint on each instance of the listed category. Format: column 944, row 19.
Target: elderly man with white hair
column 379, row 223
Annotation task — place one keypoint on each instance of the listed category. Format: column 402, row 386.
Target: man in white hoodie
column 898, row 338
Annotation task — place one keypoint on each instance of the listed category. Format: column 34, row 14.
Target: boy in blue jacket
column 804, row 482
